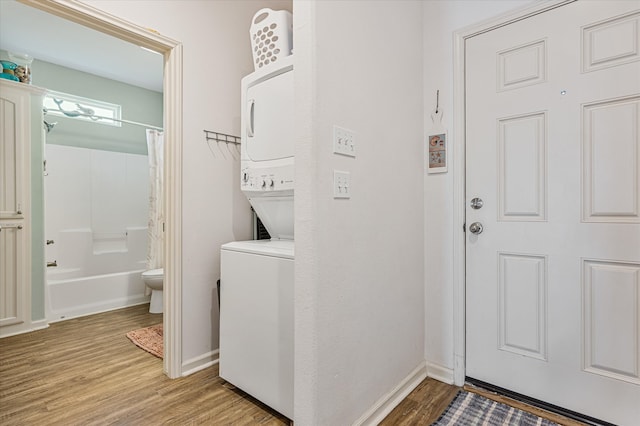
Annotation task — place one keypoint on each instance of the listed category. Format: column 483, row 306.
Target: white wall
column 216, row 55
column 359, row 262
column 441, row 19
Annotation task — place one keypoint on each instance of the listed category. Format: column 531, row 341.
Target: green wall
column 37, row 217
column 138, row 104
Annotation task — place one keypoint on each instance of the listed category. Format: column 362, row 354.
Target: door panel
column 611, row 287
column 11, row 153
column 522, row 167
column 12, row 279
column 608, row 161
column 553, row 150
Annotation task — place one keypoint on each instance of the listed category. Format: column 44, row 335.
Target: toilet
column 153, row 278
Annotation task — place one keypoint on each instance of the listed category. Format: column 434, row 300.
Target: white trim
column 39, row 325
column 200, row 362
column 390, row 400
column 459, row 261
column 439, row 372
column 25, row 327
column 173, row 211
column 98, row 20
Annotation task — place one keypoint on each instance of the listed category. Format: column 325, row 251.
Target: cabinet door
column 12, row 284
column 14, row 109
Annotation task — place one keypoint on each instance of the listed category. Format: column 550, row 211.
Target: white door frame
column 459, row 171
column 98, row 20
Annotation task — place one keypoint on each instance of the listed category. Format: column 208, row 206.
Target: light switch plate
column 341, row 184
column 344, row 141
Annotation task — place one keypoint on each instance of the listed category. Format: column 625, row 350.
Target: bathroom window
column 77, row 107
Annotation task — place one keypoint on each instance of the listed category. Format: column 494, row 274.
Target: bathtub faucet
column 50, row 264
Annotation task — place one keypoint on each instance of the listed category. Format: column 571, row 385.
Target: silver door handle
column 476, row 228
column 476, row 203
column 10, row 225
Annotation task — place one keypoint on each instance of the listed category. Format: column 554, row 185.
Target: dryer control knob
column 271, row 183
column 264, row 183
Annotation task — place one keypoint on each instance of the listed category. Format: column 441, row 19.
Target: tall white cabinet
column 20, row 114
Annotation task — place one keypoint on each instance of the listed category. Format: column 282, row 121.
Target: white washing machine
column 256, row 283
column 256, row 324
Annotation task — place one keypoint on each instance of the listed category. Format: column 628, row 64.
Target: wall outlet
column 344, row 141
column 341, row 184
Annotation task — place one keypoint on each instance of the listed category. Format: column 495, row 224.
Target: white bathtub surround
column 87, row 281
column 96, row 215
column 106, row 192
column 76, row 295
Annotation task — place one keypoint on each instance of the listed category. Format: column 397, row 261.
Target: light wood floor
column 85, row 371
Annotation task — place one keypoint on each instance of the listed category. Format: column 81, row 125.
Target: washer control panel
column 267, row 179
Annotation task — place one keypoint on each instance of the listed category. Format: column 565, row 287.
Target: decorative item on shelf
column 23, row 69
column 9, row 70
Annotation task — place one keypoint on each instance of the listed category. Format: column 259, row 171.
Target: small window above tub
column 77, row 107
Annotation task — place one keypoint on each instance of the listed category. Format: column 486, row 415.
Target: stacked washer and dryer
column 257, row 276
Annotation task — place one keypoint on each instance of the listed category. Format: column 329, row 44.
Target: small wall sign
column 437, row 153
column 437, row 142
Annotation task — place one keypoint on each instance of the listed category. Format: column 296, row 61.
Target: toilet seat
column 153, row 273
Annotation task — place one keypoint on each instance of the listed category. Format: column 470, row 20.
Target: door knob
column 477, row 203
column 476, row 228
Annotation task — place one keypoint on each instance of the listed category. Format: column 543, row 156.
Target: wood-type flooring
column 85, row 371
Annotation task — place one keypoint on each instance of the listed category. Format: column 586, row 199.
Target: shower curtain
column 155, row 147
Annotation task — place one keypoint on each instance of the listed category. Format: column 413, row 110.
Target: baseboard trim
column 389, row 401
column 438, row 372
column 39, row 324
column 25, row 327
column 201, row 362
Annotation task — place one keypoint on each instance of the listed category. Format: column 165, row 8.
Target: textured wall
column 359, row 262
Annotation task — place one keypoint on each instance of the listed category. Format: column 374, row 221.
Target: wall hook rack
column 221, row 137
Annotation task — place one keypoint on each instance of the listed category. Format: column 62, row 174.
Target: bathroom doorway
column 171, row 51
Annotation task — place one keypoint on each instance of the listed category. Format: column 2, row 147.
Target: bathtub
column 105, row 279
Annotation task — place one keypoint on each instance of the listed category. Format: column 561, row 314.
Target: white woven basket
column 271, row 36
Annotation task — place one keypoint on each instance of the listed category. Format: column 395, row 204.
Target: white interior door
column 553, row 151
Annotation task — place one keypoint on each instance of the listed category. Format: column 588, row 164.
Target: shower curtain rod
column 135, row 123
column 100, row 117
